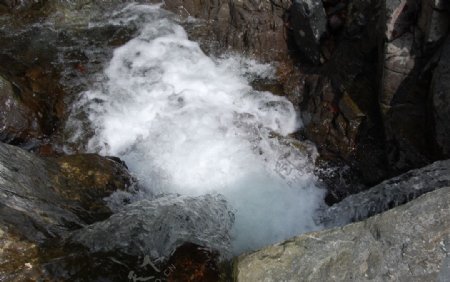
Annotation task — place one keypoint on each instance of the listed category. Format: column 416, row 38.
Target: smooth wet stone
column 157, row 227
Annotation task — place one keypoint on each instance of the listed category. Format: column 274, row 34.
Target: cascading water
column 188, row 124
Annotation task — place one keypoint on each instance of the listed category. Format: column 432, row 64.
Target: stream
column 187, row 125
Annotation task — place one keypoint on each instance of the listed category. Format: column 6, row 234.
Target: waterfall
column 189, row 124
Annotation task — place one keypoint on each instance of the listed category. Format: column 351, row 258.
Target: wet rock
column 338, row 100
column 408, row 243
column 440, row 92
column 309, row 24
column 156, row 228
column 388, row 194
column 193, row 263
column 20, row 120
column 43, row 199
column 255, row 28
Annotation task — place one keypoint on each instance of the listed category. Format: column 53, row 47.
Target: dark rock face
column 309, row 24
column 338, row 100
column 412, row 31
column 30, row 110
column 367, row 100
column 440, row 92
column 256, row 28
column 408, row 243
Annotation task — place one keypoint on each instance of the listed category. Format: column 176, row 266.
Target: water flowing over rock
column 222, row 137
column 156, row 228
column 408, row 243
column 388, row 194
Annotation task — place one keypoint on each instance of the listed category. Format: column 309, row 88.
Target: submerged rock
column 408, row 243
column 156, row 228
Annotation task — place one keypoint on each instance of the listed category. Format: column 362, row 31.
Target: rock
column 42, row 199
column 156, row 228
column 408, row 243
column 433, row 21
column 18, row 122
column 388, row 194
column 18, row 257
column 309, row 24
column 338, row 100
column 440, row 91
column 255, row 28
column 412, row 32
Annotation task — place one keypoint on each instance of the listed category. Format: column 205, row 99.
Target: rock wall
column 408, row 243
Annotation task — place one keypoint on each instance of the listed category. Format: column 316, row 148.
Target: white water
column 185, row 123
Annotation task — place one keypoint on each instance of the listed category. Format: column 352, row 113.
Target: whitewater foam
column 189, row 124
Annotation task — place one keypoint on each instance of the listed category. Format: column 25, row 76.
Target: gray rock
column 388, row 194
column 440, row 92
column 408, row 243
column 156, row 228
column 309, row 24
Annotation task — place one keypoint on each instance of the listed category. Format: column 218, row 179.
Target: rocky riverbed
column 330, row 114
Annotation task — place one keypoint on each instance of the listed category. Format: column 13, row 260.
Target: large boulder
column 42, row 199
column 408, row 243
column 157, row 227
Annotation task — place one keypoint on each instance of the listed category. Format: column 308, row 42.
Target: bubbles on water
column 189, row 124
